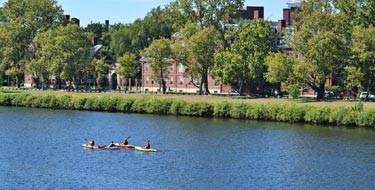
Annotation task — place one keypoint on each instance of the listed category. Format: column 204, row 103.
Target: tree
column 66, row 51
column 353, row 81
column 13, row 50
column 96, row 28
column 253, row 41
column 228, row 68
column 159, row 54
column 135, row 37
column 209, row 13
column 22, row 20
column 202, row 47
column 129, row 66
column 282, row 70
column 2, row 17
column 101, row 70
column 36, row 15
column 363, row 48
column 195, row 48
column 366, row 14
column 321, row 43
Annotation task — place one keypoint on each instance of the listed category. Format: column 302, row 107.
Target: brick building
column 177, row 81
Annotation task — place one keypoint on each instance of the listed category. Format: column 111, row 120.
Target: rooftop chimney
column 281, row 25
column 76, row 21
column 286, row 16
column 255, row 12
column 67, row 18
column 107, row 25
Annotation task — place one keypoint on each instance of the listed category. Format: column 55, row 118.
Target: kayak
column 124, row 146
column 139, row 148
column 119, row 146
column 89, row 146
column 100, row 147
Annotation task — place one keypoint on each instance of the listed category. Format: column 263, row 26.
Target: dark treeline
column 330, row 39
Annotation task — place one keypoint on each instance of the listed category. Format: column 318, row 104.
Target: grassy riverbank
column 333, row 113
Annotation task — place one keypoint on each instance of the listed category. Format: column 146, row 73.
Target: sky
column 126, row 11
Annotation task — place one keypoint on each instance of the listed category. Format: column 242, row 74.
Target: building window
column 181, row 68
column 181, row 81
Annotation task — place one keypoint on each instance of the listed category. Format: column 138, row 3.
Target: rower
column 112, row 145
column 147, row 146
column 92, row 143
column 126, row 142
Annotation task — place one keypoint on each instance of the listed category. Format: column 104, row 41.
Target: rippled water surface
column 41, row 149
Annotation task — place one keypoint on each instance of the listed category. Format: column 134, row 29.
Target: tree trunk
column 241, row 87
column 35, row 82
column 163, row 86
column 58, row 80
column 320, row 91
column 206, row 89
column 201, row 87
column 205, row 83
column 18, row 81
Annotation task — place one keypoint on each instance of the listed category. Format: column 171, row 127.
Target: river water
column 41, row 149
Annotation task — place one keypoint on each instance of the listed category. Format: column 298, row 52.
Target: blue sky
column 126, row 11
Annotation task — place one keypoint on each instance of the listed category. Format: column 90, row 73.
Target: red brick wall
column 177, row 81
column 286, row 16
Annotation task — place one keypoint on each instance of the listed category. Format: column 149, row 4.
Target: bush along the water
column 286, row 112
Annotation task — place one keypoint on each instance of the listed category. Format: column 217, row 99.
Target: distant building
column 248, row 13
column 177, row 81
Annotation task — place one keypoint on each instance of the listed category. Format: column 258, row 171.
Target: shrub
column 124, row 105
column 271, row 111
column 317, row 115
column 108, row 103
column 79, row 102
column 358, row 107
column 366, row 119
column 338, row 116
column 65, row 102
column 222, row 110
column 19, row 100
column 46, row 101
column 255, row 112
column 92, row 103
column 348, row 116
column 139, row 106
column 5, row 99
column 238, row 111
column 177, row 107
column 200, row 109
column 291, row 113
column 29, row 101
column 158, row 106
